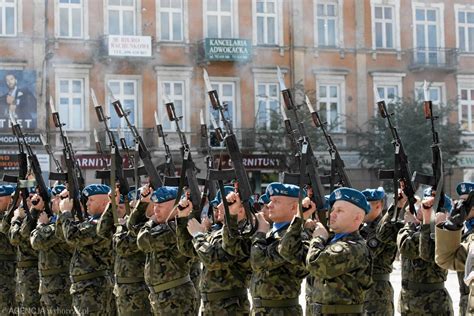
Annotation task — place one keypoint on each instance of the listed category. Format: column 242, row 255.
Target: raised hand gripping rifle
column 337, row 164
column 290, row 133
column 309, row 174
column 73, row 176
column 401, row 174
column 168, row 167
column 145, row 156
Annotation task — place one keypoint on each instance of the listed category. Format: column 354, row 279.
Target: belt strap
column 171, row 284
column 7, row 257
column 215, row 296
column 49, row 272
column 128, row 280
column 381, row 277
column 258, row 302
column 337, row 309
column 425, row 287
column 88, row 276
column 27, row 264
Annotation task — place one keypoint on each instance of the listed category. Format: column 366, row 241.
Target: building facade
column 339, row 51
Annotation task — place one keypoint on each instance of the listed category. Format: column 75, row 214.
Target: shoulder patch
column 47, row 229
column 372, row 243
column 336, row 248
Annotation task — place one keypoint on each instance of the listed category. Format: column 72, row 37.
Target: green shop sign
column 227, row 49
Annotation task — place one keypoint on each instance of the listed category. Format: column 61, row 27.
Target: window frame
column 339, row 23
column 184, row 24
column 278, row 23
column 234, row 14
column 467, row 9
column 137, row 18
column 338, row 80
column 84, row 5
column 278, row 99
column 17, row 20
column 385, row 79
column 395, row 5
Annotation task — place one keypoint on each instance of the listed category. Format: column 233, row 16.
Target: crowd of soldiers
column 160, row 260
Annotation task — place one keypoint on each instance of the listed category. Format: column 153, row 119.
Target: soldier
column 379, row 298
column 91, row 287
column 341, row 266
column 225, row 278
column 454, row 239
column 7, row 256
column 54, row 256
column 166, row 270
column 423, row 290
column 130, row 290
column 276, row 283
column 263, row 200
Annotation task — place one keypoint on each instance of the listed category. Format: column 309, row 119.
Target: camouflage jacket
column 221, row 271
column 91, row 251
column 163, row 261
column 273, row 276
column 20, row 237
column 6, row 248
column 342, row 270
column 383, row 252
column 417, row 250
column 137, row 219
column 233, row 242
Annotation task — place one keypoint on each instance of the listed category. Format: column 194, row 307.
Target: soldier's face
column 219, row 213
column 282, row 208
column 163, row 210
column 96, row 204
column 344, row 216
column 375, row 210
column 4, row 201
column 55, row 203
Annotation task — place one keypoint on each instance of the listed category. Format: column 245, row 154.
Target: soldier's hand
column 145, row 193
column 43, row 218
column 457, row 217
column 19, row 213
column 263, row 225
column 410, row 218
column 426, row 208
column 402, row 199
column 309, row 207
column 37, row 202
column 153, row 218
column 310, row 224
column 195, row 228
column 233, row 199
column 440, row 217
column 184, row 207
column 65, row 205
column 320, row 231
column 206, row 223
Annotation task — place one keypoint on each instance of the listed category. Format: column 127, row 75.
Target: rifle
column 119, row 170
column 100, row 151
column 308, row 163
column 209, row 191
column 132, row 160
column 145, row 156
column 73, row 176
column 169, row 168
column 35, row 166
column 291, row 136
column 239, row 173
column 50, row 153
column 401, row 174
column 188, row 168
column 337, row 164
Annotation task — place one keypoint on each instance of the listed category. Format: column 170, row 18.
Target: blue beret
column 164, row 194
column 263, row 199
column 448, row 204
column 131, row 194
column 350, row 195
column 283, row 189
column 464, row 188
column 326, row 202
column 6, row 190
column 58, row 189
column 374, row 194
column 94, row 189
column 218, row 199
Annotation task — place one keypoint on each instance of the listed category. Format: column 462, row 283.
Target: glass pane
column 321, row 33
column 432, row 36
column 77, row 86
column 434, row 94
column 391, row 93
column 127, row 2
column 322, row 111
column 261, row 91
column 322, row 91
column 271, row 31
column 226, row 26
column 420, row 36
column 212, row 5
column 378, row 35
column 389, row 35
column 320, row 10
column 260, row 30
column 114, row 2
column 333, row 114
column 176, row 4
column 212, row 26
column 463, row 94
column 470, row 17
column 331, row 10
column 388, row 13
column 128, row 23
column 472, row 95
column 431, row 15
column 461, row 17
column 76, row 23
column 165, row 3
column 270, row 7
column 177, row 26
column 63, row 86
column 471, row 39
column 178, row 89
column 381, row 92
column 10, row 21
column 114, row 24
column 378, row 12
column 63, row 22
column 262, row 113
column 273, row 90
column 332, row 33
column 420, row 15
column 462, row 39
column 165, row 26
column 333, row 92
column 129, row 88
column 225, row 5
column 227, row 90
column 260, row 7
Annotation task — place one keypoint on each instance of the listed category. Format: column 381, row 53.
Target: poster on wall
column 18, row 98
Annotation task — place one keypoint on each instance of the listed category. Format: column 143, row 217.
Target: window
column 121, row 16
column 226, row 92
column 389, row 87
column 127, row 92
column 466, row 109
column 70, row 17
column 171, row 20
column 71, row 106
column 435, row 92
column 429, row 33
column 219, row 18
column 267, row 21
column 8, row 17
column 175, row 91
column 327, row 28
column 465, row 21
column 388, row 93
column 384, row 26
column 268, row 116
column 329, row 105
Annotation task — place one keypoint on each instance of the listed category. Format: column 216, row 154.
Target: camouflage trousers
column 132, row 299
column 436, row 302
column 234, row 306
column 93, row 297
column 277, row 311
column 195, row 274
column 180, row 300
column 7, row 286
column 379, row 299
column 27, row 289
column 54, row 299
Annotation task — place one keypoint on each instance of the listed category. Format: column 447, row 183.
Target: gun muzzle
column 170, row 111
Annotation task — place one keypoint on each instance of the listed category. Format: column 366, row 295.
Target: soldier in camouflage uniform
column 54, row 256
column 341, row 266
column 7, row 256
column 27, row 277
column 423, row 291
column 276, row 283
column 166, row 270
column 130, row 290
column 379, row 298
column 92, row 258
column 454, row 239
column 225, row 278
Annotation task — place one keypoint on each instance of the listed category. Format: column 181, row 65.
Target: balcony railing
column 434, row 58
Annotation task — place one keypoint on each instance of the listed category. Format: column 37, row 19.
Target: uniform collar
column 279, row 226
column 338, row 237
